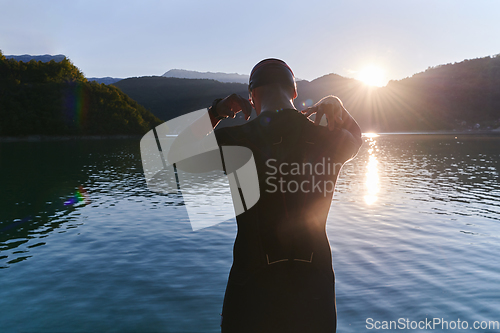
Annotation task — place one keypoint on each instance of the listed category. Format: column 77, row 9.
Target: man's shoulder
column 339, row 142
column 289, row 126
column 259, row 126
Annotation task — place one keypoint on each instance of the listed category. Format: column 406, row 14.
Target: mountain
column 168, row 97
column 54, row 98
column 222, row 77
column 460, row 96
column 42, row 58
column 59, row 58
column 105, row 80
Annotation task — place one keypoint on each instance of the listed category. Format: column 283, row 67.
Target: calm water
column 85, row 247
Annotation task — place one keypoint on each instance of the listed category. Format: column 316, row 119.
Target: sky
column 149, row 37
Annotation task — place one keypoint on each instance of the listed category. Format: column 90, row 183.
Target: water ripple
column 126, row 259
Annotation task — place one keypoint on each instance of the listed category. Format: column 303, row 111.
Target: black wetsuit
column 282, row 278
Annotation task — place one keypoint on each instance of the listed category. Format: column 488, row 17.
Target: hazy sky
column 137, row 38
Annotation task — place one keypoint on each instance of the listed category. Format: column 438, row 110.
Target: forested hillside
column 461, row 96
column 54, row 98
column 170, row 97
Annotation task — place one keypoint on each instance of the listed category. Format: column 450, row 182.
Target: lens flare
column 81, row 195
column 75, row 105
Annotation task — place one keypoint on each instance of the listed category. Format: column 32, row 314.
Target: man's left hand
column 331, row 107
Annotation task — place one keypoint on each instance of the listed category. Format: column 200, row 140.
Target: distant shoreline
column 39, row 138
column 485, row 132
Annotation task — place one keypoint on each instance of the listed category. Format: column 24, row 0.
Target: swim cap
column 271, row 71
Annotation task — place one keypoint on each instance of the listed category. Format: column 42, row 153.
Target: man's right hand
column 233, row 104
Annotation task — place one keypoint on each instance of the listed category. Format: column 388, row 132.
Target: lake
column 86, row 247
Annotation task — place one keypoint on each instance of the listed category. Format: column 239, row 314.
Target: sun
column 372, row 76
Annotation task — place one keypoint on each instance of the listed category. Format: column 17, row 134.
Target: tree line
column 461, row 96
column 54, row 98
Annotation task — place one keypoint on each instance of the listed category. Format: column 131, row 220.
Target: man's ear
column 255, row 99
column 250, row 99
column 295, row 94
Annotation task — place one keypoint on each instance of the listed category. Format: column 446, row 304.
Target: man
column 282, row 278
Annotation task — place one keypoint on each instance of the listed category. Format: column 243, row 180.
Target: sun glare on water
column 372, row 76
column 372, row 181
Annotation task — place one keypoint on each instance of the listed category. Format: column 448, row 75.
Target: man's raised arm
column 336, row 115
column 194, row 137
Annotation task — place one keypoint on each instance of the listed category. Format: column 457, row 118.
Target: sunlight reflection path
column 372, row 182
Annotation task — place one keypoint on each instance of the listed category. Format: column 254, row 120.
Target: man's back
column 282, row 277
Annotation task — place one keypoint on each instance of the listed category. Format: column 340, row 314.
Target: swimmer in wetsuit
column 282, row 278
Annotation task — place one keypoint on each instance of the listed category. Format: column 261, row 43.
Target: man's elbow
column 350, row 145
column 359, row 141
